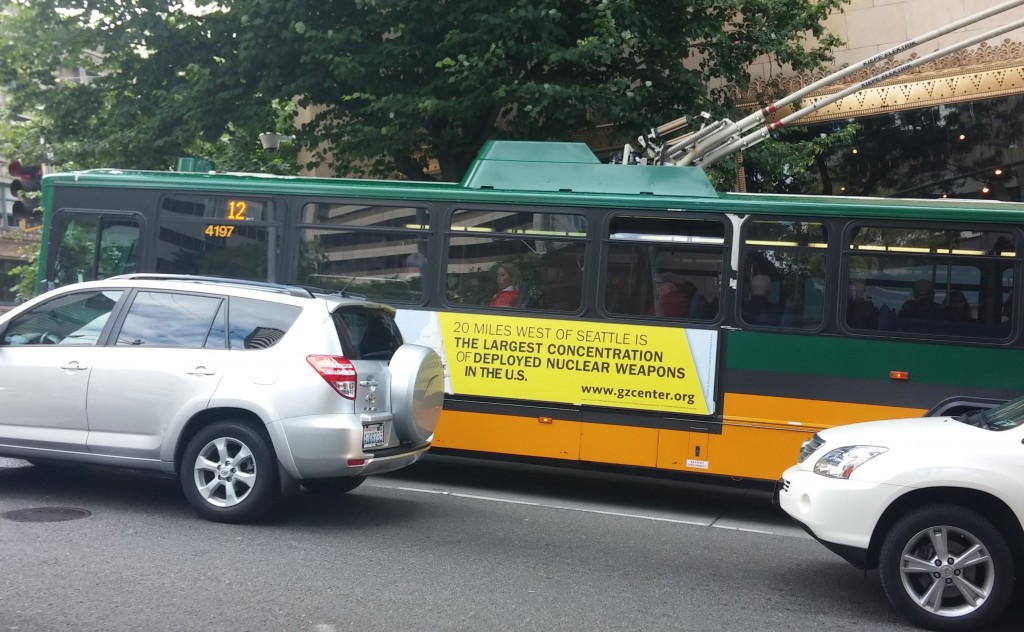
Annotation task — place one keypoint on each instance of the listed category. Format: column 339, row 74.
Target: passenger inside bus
column 861, row 312
column 957, row 308
column 923, row 305
column 758, row 309
column 672, row 296
column 507, row 277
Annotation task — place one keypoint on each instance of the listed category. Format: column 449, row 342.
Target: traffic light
column 26, row 179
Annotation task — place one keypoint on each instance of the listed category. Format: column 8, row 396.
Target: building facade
column 950, row 125
column 988, row 70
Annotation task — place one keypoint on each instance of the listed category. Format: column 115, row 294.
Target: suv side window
column 367, row 334
column 256, row 324
column 72, row 319
column 167, row 319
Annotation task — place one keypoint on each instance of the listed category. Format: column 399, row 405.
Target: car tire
column 931, row 592
column 229, row 473
column 333, row 486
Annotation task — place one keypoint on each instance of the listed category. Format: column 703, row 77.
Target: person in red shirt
column 507, row 277
column 671, row 297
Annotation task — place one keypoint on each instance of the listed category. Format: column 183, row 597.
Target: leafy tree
column 391, row 84
column 120, row 84
column 22, row 278
column 792, row 161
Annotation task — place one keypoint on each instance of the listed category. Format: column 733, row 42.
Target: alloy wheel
column 225, row 472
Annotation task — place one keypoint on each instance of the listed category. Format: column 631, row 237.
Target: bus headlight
column 841, row 462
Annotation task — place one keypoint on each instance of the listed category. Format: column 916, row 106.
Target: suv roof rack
column 292, row 290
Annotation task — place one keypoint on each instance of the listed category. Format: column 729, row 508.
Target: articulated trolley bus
column 641, row 318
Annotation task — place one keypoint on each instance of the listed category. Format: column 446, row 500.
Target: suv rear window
column 255, row 324
column 367, row 334
column 192, row 321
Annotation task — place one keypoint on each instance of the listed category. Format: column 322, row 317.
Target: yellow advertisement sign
column 579, row 363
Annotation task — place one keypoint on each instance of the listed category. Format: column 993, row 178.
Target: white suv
column 935, row 503
column 243, row 389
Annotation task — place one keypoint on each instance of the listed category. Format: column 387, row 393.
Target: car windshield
column 1002, row 417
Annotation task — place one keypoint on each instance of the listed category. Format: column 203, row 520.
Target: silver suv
column 244, row 390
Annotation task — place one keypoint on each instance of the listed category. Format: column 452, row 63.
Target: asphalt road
column 445, row 545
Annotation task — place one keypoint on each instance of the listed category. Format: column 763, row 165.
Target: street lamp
column 271, row 141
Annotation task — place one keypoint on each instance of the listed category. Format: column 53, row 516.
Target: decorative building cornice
column 984, row 72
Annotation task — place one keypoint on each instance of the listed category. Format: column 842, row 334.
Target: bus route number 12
column 236, row 212
column 236, row 209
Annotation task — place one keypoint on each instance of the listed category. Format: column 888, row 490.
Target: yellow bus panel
column 523, row 436
column 620, row 445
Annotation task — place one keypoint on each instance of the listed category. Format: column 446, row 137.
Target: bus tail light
column 899, row 375
column 339, row 372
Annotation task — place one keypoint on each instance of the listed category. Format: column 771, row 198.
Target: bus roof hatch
column 573, row 167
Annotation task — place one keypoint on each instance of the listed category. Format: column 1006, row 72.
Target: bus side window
column 942, row 282
column 90, row 247
column 783, row 275
column 118, row 246
column 516, row 260
column 392, row 242
column 662, row 268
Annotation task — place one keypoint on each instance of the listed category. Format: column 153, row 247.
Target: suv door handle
column 201, row 370
column 73, row 366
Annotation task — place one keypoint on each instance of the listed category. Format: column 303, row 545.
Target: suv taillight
column 339, row 372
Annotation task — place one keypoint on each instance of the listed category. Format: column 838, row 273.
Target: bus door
column 662, row 287
column 91, row 245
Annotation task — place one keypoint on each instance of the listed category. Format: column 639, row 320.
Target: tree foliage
column 391, row 83
column 792, row 162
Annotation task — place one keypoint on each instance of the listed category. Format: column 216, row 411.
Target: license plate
column 373, row 435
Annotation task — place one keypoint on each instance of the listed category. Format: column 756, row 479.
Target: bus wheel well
column 984, row 503
column 205, row 418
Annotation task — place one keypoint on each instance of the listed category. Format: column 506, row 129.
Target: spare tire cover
column 417, row 392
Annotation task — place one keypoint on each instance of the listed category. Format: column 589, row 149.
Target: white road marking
column 510, row 501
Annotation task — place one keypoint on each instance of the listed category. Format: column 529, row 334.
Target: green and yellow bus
column 593, row 313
